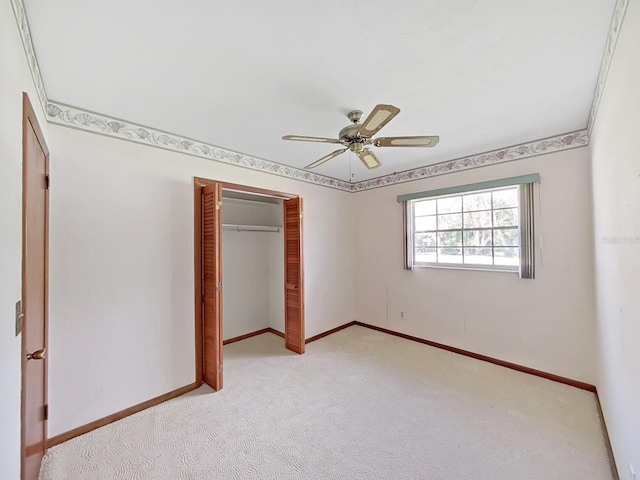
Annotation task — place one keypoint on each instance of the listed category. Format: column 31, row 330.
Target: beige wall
column 14, row 79
column 122, row 269
column 615, row 148
column 546, row 323
column 134, row 237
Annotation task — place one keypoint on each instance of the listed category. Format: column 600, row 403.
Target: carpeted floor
column 358, row 405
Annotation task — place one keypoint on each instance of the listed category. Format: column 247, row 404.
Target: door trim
column 30, row 120
column 198, row 184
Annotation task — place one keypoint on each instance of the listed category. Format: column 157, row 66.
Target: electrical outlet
column 632, row 472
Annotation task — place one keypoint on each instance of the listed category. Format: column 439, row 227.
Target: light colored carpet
column 358, row 405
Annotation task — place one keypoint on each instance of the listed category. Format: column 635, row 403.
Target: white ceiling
column 482, row 74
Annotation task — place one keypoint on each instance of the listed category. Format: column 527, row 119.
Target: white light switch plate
column 19, row 317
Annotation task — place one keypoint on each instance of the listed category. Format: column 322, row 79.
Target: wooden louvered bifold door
column 212, row 285
column 294, row 291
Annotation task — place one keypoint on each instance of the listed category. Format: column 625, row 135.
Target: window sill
column 455, row 266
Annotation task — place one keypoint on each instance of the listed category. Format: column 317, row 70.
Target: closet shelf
column 251, row 228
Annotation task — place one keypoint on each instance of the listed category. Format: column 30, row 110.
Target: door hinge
column 45, row 412
column 219, row 287
column 47, row 181
column 220, row 368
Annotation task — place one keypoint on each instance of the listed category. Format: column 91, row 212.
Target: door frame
column 30, row 120
column 198, row 184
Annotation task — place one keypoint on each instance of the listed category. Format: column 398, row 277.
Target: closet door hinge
column 47, row 182
column 45, row 411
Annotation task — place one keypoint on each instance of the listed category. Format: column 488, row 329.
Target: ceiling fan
column 358, row 136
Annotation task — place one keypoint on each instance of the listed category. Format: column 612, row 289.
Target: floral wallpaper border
column 27, row 43
column 98, row 123
column 81, row 119
column 612, row 40
column 517, row 152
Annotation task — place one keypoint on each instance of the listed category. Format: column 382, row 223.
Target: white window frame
column 526, row 232
column 471, row 266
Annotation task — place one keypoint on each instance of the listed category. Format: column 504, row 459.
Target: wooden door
column 293, row 276
column 35, row 211
column 212, row 285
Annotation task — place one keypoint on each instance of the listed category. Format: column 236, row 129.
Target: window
column 477, row 228
column 487, row 226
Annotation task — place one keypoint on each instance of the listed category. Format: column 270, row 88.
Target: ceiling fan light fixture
column 357, row 147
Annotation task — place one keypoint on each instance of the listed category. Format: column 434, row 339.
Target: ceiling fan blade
column 378, row 118
column 430, row 141
column 368, row 158
column 326, row 158
column 300, row 138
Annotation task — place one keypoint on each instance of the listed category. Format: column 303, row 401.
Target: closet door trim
column 199, row 184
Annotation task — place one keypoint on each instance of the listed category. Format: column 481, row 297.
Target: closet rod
column 250, row 228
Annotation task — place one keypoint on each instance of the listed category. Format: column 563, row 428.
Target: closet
column 249, row 275
column 252, row 264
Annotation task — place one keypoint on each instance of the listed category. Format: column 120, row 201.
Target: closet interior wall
column 252, row 267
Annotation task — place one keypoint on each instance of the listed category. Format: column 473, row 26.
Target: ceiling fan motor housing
column 350, row 132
